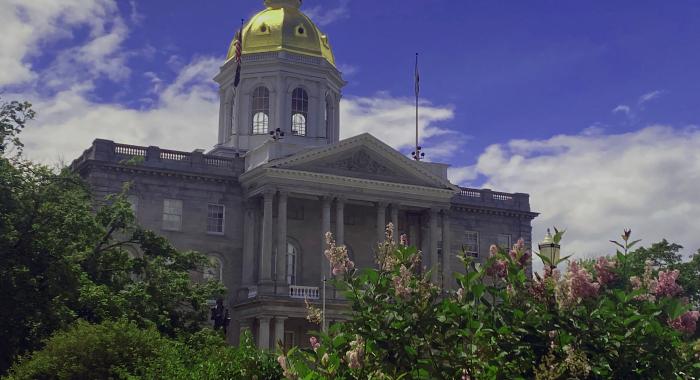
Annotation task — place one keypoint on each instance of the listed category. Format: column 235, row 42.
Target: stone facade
column 352, row 188
column 279, row 178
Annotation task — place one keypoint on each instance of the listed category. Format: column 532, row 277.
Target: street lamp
column 550, row 249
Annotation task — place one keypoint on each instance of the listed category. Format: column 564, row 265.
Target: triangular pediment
column 365, row 157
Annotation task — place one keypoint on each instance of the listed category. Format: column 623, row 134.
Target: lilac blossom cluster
column 577, row 285
column 356, row 353
column 604, row 270
column 666, row 285
column 686, row 323
column 337, row 256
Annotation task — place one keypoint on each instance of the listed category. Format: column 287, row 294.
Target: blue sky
column 591, row 107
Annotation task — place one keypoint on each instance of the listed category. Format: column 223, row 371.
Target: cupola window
column 300, row 111
column 328, row 116
column 261, row 110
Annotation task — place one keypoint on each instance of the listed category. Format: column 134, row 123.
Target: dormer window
column 300, row 111
column 261, row 110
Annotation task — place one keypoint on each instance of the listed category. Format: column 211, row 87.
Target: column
column 281, row 264
column 266, row 240
column 340, row 221
column 279, row 331
column 434, row 276
column 395, row 220
column 264, row 333
column 325, row 227
column 248, row 243
column 447, row 279
column 381, row 221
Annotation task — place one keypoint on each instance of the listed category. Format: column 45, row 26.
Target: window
column 300, row 111
column 291, row 264
column 328, row 115
column 261, row 110
column 214, row 271
column 215, row 219
column 172, row 214
column 503, row 241
column 471, row 243
column 289, row 340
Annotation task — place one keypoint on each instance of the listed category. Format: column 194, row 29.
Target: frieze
column 360, row 162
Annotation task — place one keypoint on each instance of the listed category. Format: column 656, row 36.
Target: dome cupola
column 281, row 26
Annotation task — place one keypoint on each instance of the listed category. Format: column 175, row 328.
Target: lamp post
column 550, row 249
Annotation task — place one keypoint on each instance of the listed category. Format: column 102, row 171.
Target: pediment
column 363, row 157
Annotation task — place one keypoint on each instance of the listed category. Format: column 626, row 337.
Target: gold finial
column 283, row 4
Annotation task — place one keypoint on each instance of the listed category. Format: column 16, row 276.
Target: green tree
column 64, row 255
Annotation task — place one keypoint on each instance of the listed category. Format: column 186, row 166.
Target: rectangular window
column 172, row 214
column 215, row 218
column 504, row 241
column 471, row 243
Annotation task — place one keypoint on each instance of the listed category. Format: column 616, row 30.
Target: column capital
column 264, row 318
column 280, row 318
column 340, row 199
column 283, row 193
column 268, row 194
column 435, row 210
column 382, row 204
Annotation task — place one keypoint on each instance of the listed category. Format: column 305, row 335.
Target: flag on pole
column 238, row 47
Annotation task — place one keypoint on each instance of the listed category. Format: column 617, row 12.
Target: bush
column 122, row 350
column 596, row 321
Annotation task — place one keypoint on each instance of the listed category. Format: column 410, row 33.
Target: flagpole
column 417, row 84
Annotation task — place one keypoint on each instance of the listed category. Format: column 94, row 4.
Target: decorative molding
column 360, row 162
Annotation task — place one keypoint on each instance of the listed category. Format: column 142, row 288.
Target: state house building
column 259, row 206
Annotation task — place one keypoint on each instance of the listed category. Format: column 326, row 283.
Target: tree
column 65, row 255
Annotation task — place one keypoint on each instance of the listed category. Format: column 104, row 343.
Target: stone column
column 281, row 271
column 448, row 281
column 434, row 276
column 264, row 333
column 325, row 227
column 279, row 331
column 395, row 221
column 340, row 221
column 381, row 221
column 266, row 240
column 248, row 243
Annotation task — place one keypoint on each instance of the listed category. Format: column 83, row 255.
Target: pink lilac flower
column 499, row 268
column 578, row 285
column 493, row 250
column 357, row 351
column 603, row 268
column 402, row 282
column 337, row 256
column 686, row 323
column 404, row 240
column 520, row 254
column 315, row 344
column 666, row 285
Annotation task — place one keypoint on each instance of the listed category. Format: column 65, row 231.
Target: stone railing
column 310, row 292
column 490, row 198
column 106, row 150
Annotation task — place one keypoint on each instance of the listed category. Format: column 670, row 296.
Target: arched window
column 292, row 256
column 261, row 110
column 300, row 111
column 214, row 271
column 328, row 116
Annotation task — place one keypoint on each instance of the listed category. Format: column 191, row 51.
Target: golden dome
column 282, row 26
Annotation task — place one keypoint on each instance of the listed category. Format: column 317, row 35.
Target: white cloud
column 622, row 109
column 323, row 15
column 649, row 96
column 392, row 120
column 26, row 26
column 184, row 117
column 596, row 185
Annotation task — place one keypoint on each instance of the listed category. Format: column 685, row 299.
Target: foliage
column 14, row 116
column 122, row 350
column 65, row 255
column 596, row 321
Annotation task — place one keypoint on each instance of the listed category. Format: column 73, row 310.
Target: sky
column 593, row 108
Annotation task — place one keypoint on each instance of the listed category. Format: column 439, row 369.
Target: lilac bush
column 597, row 320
